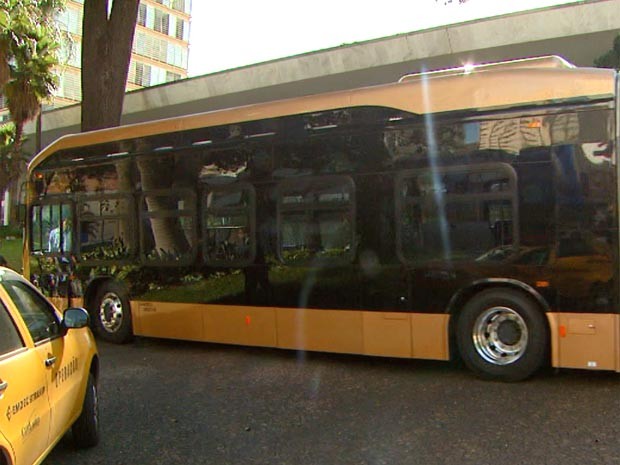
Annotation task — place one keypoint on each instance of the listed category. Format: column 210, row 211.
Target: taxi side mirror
column 74, row 318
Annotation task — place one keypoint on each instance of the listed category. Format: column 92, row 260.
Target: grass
column 11, row 250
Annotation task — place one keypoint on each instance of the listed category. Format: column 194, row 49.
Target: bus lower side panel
column 407, row 335
column 585, row 340
column 578, row 340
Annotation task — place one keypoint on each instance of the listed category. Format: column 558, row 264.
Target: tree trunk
column 106, row 52
column 169, row 236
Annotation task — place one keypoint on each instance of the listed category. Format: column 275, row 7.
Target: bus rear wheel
column 112, row 314
column 502, row 335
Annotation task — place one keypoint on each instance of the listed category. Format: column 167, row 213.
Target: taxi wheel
column 111, row 314
column 86, row 428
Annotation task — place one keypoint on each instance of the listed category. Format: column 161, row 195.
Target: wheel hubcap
column 111, row 312
column 500, row 335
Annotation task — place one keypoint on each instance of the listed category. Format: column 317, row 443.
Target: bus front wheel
column 112, row 314
column 502, row 335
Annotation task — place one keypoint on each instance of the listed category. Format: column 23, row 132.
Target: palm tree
column 9, row 163
column 29, row 45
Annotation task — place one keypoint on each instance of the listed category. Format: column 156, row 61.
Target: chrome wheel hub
column 500, row 335
column 111, row 312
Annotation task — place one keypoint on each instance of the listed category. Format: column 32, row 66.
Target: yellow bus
column 466, row 212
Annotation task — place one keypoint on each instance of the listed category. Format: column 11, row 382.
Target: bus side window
column 52, row 228
column 455, row 212
column 229, row 224
column 168, row 227
column 106, row 229
column 315, row 219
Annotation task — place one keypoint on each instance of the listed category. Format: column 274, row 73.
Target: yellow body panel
column 170, row 320
column 387, row 334
column 585, row 340
column 25, row 409
column 430, row 336
column 320, row 330
column 38, row 409
column 241, row 325
column 578, row 340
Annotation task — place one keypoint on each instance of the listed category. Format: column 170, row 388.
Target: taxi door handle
column 50, row 361
column 3, row 386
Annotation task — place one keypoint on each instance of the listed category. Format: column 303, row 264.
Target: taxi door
column 24, row 406
column 57, row 350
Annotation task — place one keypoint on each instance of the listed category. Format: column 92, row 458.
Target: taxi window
column 10, row 339
column 37, row 313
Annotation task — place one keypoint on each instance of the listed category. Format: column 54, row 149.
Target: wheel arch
column 91, row 290
column 463, row 295
column 5, row 456
column 94, row 368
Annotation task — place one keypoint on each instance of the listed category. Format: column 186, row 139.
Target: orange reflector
column 542, row 284
column 248, row 320
column 534, row 124
column 562, row 330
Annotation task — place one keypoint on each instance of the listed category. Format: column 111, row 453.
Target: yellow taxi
column 48, row 374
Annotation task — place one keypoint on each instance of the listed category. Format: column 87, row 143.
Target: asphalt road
column 167, row 402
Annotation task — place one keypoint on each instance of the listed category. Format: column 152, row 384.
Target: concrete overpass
column 578, row 32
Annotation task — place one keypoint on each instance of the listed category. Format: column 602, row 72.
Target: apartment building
column 159, row 54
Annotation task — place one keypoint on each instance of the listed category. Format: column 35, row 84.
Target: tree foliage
column 29, row 47
column 611, row 58
column 9, row 161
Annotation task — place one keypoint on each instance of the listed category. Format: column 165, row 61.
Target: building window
column 158, row 75
column 143, row 74
column 177, row 56
column 180, row 28
column 70, row 20
column 162, row 22
column 170, row 76
column 70, row 53
column 142, row 14
column 179, row 5
column 69, row 86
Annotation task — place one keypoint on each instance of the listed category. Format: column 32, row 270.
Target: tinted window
column 106, row 228
column 36, row 312
column 168, row 227
column 52, row 228
column 457, row 212
column 9, row 337
column 228, row 223
column 316, row 219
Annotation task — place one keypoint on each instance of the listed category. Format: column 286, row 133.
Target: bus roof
column 548, row 61
column 540, row 81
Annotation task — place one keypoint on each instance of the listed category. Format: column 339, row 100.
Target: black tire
column 85, row 430
column 502, row 334
column 111, row 313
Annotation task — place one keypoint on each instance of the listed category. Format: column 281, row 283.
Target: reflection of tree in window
column 315, row 218
column 228, row 218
